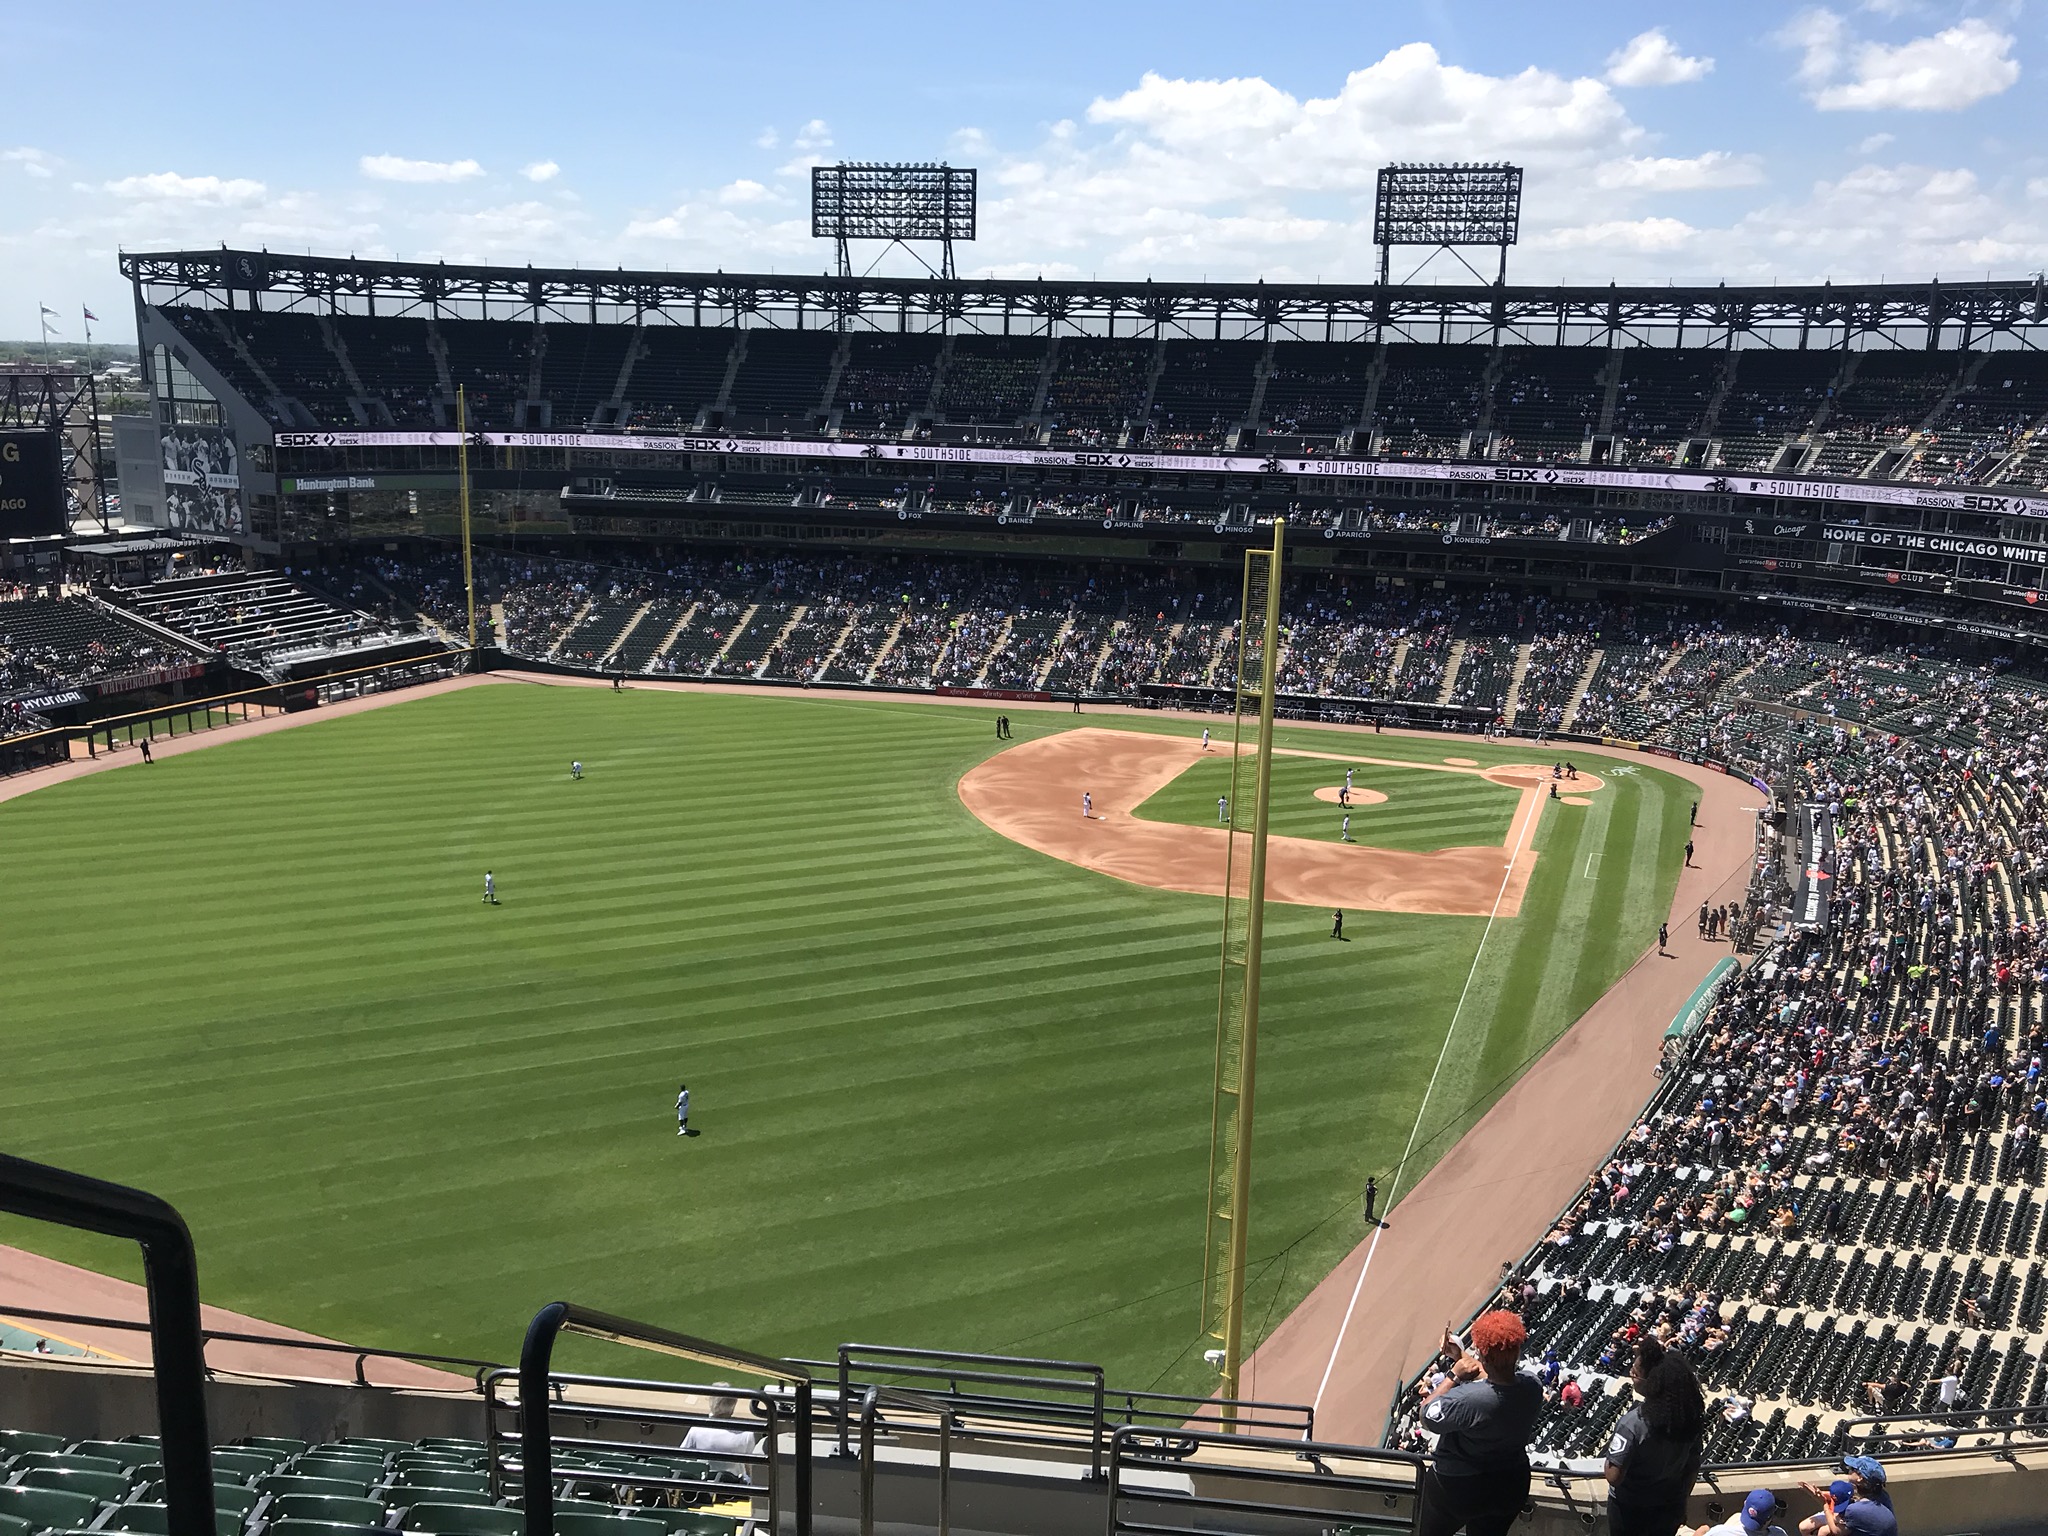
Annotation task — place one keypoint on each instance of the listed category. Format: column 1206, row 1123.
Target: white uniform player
column 1087, row 804
column 490, row 888
column 575, row 770
column 1205, row 738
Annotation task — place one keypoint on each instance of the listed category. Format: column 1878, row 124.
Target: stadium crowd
column 1831, row 1213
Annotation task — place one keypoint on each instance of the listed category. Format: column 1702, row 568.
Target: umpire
column 1483, row 1416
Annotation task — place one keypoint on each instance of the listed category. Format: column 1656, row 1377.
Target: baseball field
column 951, row 1089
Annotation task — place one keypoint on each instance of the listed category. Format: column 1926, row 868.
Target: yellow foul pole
column 468, row 571
column 1237, row 1011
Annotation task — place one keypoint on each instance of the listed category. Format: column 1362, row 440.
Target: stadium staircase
column 1571, row 709
column 881, row 651
column 1521, row 670
column 995, row 650
column 582, row 613
column 796, row 617
column 639, row 614
column 1451, row 669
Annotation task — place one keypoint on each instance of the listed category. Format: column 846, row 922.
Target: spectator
column 1759, row 1510
column 1478, row 1479
column 1653, row 1457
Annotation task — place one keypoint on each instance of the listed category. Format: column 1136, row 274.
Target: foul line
column 1351, row 1307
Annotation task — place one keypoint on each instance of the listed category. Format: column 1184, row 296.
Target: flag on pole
column 48, row 311
column 89, row 314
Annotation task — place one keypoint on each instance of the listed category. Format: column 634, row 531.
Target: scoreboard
column 31, row 484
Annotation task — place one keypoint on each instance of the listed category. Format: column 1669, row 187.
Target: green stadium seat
column 107, row 1487
column 231, row 1497
column 440, row 1477
column 155, row 1520
column 66, row 1461
column 464, row 1520
column 46, row 1507
column 437, row 1459
column 381, row 1447
column 323, row 1464
column 319, row 1528
column 129, row 1454
column 13, row 1525
column 294, row 1482
column 268, row 1443
column 327, row 1508
column 14, row 1441
column 443, row 1443
column 687, row 1522
column 576, row 1523
column 404, row 1494
column 245, row 1463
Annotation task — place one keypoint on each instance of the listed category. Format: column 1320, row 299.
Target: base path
column 1379, row 1314
column 1031, row 793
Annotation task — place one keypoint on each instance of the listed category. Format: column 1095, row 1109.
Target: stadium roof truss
column 1928, row 315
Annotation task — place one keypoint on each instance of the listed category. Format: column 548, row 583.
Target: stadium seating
column 1900, row 414
column 247, row 613
column 276, row 1488
column 52, row 642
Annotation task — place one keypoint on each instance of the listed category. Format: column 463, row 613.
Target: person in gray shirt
column 1653, row 1456
column 1483, row 1416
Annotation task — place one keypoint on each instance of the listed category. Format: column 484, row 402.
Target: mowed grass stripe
column 953, row 1092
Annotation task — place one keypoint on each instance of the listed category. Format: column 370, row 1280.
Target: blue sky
column 1743, row 141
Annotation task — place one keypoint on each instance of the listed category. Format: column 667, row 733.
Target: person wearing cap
column 1856, row 1505
column 1483, row 1417
column 1755, row 1518
column 1653, row 1456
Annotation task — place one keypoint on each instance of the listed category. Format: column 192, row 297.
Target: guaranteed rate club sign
column 31, row 485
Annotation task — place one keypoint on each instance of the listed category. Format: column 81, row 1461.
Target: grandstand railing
column 1164, row 1483
column 171, row 1277
column 361, row 1353
column 1021, row 1400
column 2001, row 1432
column 269, row 699
column 540, row 1389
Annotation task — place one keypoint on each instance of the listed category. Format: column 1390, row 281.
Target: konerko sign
column 910, row 455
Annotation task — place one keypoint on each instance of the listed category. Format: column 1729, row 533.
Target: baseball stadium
column 948, row 904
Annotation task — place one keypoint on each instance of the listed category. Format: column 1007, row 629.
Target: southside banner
column 1954, row 499
column 1815, row 884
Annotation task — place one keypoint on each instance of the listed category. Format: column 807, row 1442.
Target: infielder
column 1087, row 805
column 575, row 770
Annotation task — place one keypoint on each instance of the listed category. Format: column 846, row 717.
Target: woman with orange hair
column 1482, row 1415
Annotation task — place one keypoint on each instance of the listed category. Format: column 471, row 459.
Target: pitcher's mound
column 1359, row 796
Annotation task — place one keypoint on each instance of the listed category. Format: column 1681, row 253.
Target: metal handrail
column 1025, row 1372
column 871, row 1400
column 171, row 1277
column 536, row 1438
column 1297, row 1465
column 362, row 1352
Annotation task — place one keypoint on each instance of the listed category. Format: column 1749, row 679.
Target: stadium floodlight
column 1446, row 206
column 896, row 204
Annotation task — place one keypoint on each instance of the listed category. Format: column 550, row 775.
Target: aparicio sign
column 31, row 485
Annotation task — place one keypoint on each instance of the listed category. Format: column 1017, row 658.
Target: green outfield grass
column 951, row 1092
column 1423, row 809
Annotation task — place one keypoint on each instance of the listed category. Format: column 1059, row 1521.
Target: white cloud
column 743, row 191
column 34, row 161
column 1874, row 143
column 814, row 135
column 1649, row 58
column 1637, row 236
column 766, row 139
column 1715, row 168
column 1942, row 72
column 204, row 191
column 541, row 170
column 397, row 168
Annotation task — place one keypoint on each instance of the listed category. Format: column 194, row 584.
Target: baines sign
column 913, row 454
